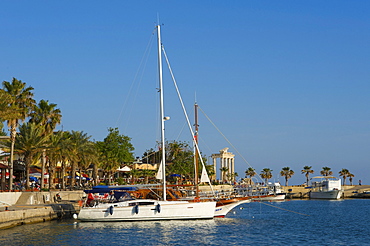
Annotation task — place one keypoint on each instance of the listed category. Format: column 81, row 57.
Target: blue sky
column 287, row 82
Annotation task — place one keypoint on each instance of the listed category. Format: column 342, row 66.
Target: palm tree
column 55, row 154
column 224, row 171
column 287, row 173
column 79, row 143
column 211, row 171
column 30, row 141
column 307, row 171
column 266, row 174
column 21, row 102
column 326, row 171
column 344, row 173
column 232, row 176
column 6, row 111
column 147, row 173
column 47, row 116
column 134, row 173
column 350, row 176
column 251, row 173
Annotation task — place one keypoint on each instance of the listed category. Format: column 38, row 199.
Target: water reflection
column 155, row 232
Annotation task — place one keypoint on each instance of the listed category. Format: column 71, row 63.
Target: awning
column 124, row 169
column 38, row 175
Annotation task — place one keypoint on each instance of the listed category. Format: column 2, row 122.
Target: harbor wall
column 18, row 208
column 43, row 197
column 301, row 192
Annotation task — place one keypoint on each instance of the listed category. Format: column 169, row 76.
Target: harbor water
column 296, row 222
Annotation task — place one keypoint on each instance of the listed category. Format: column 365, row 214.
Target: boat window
column 140, row 203
column 146, row 203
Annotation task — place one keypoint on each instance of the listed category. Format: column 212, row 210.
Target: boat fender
column 136, row 209
column 111, row 210
column 158, row 208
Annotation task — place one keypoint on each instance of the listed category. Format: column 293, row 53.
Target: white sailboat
column 126, row 208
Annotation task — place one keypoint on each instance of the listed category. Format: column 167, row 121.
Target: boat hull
column 333, row 194
column 161, row 210
column 277, row 197
column 224, row 208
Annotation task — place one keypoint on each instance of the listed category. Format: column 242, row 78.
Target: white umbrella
column 124, row 169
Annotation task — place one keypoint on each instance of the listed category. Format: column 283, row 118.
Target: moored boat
column 224, row 206
column 328, row 187
column 121, row 206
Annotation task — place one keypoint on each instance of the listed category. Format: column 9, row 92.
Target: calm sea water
column 296, row 222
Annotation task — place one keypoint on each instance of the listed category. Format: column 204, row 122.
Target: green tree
column 7, row 110
column 180, row 159
column 79, row 145
column 224, row 173
column 147, row 174
column 55, row 153
column 21, row 104
column 344, row 173
column 48, row 117
column 307, row 171
column 232, row 176
column 266, row 174
column 30, row 141
column 287, row 173
column 251, row 172
column 114, row 150
column 152, row 156
column 135, row 173
column 326, row 171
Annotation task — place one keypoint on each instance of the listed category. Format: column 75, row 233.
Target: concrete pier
column 18, row 208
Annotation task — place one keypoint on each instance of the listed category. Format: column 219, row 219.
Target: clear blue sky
column 287, row 82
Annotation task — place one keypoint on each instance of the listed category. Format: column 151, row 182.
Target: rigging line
column 182, row 129
column 144, row 57
column 283, row 209
column 138, row 87
column 227, row 140
column 185, row 113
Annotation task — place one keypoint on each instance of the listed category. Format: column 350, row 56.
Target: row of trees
column 32, row 135
column 287, row 173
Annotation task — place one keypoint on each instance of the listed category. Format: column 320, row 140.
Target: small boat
column 273, row 192
column 328, row 187
column 258, row 192
column 121, row 206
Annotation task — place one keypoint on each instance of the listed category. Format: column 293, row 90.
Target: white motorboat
column 258, row 192
column 273, row 192
column 121, row 207
column 327, row 187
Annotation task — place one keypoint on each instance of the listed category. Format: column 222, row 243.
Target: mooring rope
column 283, row 208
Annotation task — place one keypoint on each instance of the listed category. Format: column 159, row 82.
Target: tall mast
column 196, row 149
column 161, row 110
